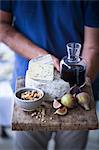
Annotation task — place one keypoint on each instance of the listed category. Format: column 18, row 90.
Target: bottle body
column 72, row 66
column 74, row 73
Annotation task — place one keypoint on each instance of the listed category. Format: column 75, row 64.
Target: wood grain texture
column 77, row 119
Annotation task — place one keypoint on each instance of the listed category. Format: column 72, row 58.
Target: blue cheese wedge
column 41, row 72
column 41, row 68
column 45, row 59
column 52, row 89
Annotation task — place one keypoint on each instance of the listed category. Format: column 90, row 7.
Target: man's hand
column 56, row 63
column 18, row 42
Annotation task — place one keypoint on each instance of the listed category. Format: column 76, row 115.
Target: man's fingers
column 56, row 63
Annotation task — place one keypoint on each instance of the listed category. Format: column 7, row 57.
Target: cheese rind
column 45, row 59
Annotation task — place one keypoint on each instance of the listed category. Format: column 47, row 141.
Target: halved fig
column 61, row 111
column 56, row 104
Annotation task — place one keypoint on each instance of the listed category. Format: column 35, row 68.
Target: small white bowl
column 28, row 105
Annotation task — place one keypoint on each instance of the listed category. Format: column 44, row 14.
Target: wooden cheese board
column 76, row 119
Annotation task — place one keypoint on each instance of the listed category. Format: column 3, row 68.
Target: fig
column 75, row 90
column 67, row 100
column 61, row 111
column 83, row 99
column 56, row 104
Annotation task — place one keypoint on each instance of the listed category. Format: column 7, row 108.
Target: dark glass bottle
column 72, row 66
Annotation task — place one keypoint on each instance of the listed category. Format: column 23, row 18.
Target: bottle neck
column 73, row 50
column 73, row 58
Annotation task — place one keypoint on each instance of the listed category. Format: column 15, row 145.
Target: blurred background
column 6, row 97
column 7, row 101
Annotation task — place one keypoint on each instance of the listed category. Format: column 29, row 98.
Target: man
column 35, row 28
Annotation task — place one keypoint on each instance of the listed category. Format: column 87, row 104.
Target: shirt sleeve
column 91, row 18
column 6, row 5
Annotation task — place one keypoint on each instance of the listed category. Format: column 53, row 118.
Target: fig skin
column 67, row 100
column 61, row 111
column 56, row 104
column 75, row 90
column 83, row 99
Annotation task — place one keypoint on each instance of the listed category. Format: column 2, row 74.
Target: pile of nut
column 39, row 114
column 31, row 95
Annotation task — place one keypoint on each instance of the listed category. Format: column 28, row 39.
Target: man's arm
column 91, row 51
column 18, row 42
